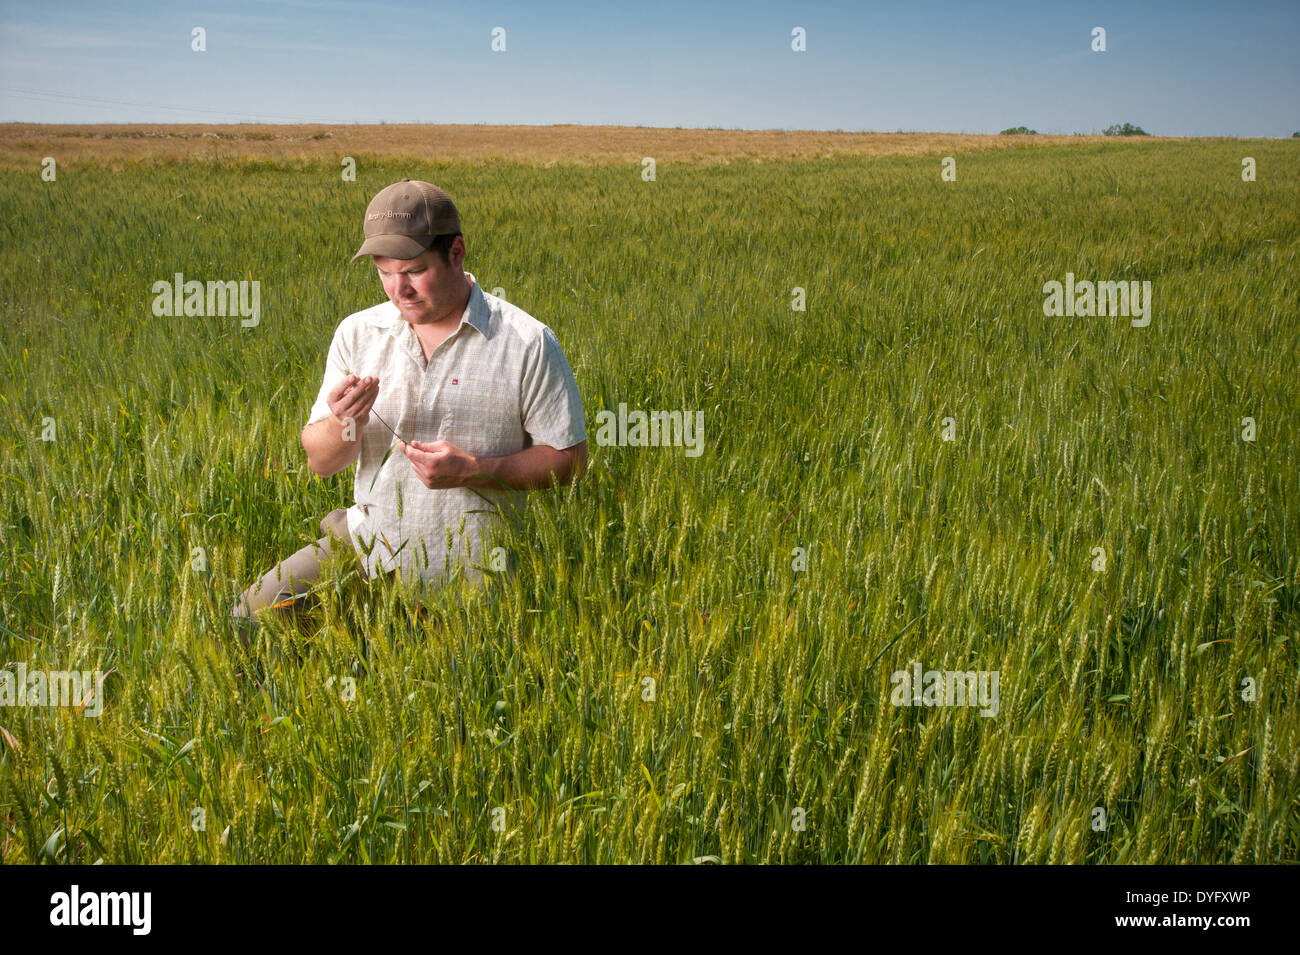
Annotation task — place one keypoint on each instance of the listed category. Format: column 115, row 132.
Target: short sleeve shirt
column 498, row 384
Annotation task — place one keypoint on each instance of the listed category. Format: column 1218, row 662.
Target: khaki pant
column 283, row 585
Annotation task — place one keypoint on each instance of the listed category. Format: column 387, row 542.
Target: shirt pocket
column 480, row 414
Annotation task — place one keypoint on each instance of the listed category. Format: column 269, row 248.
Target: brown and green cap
column 403, row 219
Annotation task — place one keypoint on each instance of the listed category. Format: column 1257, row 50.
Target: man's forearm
column 528, row 470
column 327, row 452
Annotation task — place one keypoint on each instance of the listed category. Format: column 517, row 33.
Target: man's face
column 426, row 289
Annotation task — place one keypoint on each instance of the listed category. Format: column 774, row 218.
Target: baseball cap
column 403, row 219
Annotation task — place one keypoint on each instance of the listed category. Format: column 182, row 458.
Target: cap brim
column 393, row 247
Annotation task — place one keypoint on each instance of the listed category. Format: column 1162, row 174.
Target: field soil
column 22, row 144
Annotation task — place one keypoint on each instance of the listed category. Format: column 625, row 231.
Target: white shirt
column 498, row 384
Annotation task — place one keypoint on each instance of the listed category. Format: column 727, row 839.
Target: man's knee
column 286, row 582
column 336, row 522
column 243, row 622
column 291, row 579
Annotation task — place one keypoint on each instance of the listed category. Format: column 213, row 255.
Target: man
column 479, row 394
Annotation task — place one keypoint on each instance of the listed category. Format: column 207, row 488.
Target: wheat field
column 693, row 659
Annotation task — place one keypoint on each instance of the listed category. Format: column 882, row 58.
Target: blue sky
column 1180, row 69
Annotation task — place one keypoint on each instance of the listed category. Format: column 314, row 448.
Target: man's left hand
column 439, row 464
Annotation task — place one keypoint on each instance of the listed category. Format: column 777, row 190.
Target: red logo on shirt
column 455, row 381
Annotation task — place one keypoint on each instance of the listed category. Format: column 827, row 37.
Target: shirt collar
column 477, row 312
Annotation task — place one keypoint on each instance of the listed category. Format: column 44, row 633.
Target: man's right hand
column 353, row 398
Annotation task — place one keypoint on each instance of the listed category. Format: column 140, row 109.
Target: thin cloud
column 44, row 37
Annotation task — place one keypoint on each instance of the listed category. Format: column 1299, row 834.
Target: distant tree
column 1019, row 131
column 1295, row 135
column 1128, row 129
